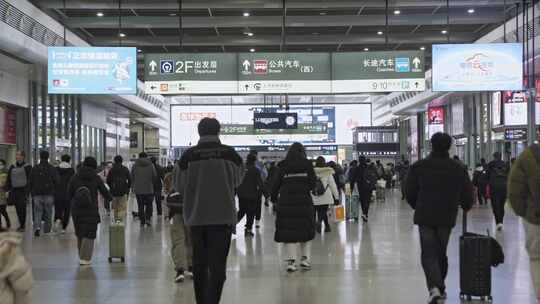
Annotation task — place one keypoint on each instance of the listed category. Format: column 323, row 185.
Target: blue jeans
column 43, row 207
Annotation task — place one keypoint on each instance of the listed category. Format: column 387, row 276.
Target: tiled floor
column 356, row 263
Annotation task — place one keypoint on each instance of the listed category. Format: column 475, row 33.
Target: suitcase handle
column 464, row 221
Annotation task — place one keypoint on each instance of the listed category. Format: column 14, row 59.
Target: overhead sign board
column 206, row 73
column 391, row 71
column 515, row 134
column 377, row 149
column 515, row 108
column 263, row 73
column 477, row 67
column 275, row 121
column 92, row 70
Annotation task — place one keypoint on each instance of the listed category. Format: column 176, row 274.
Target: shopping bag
column 338, row 213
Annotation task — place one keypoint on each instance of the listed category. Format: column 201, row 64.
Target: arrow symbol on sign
column 153, row 66
column 246, row 64
column 416, row 84
column 153, row 87
column 416, row 62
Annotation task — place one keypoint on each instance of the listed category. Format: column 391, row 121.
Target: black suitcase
column 474, row 264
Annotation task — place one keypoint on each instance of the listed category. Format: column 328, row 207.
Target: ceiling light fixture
column 397, row 12
column 380, row 33
column 444, row 32
column 122, row 35
column 246, row 14
column 422, row 48
column 100, row 14
column 315, row 33
column 252, row 50
column 366, row 49
column 139, row 51
column 322, row 13
column 250, row 34
column 172, row 14
column 471, row 11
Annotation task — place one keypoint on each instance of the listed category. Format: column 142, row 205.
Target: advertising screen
column 328, row 124
column 515, row 108
column 92, row 70
column 477, row 67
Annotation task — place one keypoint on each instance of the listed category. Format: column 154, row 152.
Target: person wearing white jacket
column 16, row 278
column 331, row 195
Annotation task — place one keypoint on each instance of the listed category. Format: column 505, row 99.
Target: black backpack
column 119, row 184
column 319, row 189
column 81, row 202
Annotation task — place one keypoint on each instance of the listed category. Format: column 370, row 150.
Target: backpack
column 319, row 189
column 370, row 177
column 82, row 197
column 499, row 176
column 119, row 185
column 18, row 177
column 42, row 182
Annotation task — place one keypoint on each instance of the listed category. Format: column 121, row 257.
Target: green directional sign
column 391, row 71
column 284, row 73
column 206, row 73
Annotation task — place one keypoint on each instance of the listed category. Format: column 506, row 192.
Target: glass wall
column 56, row 124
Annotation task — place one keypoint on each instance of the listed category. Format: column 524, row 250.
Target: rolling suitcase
column 351, row 204
column 117, row 242
column 474, row 264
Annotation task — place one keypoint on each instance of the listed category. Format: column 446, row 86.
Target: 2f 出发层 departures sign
column 267, row 73
column 92, row 70
column 391, row 71
column 207, row 73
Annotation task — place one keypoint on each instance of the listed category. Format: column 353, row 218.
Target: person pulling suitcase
column 436, row 187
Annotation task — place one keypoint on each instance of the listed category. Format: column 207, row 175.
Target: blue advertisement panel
column 92, row 70
column 477, row 67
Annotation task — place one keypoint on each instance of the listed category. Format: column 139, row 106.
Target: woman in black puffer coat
column 82, row 190
column 295, row 220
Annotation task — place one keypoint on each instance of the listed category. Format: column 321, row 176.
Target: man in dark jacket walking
column 497, row 175
column 62, row 205
column 364, row 183
column 18, row 186
column 208, row 175
column 249, row 194
column 143, row 177
column 436, row 186
column 158, row 185
column 119, row 182
column 43, row 183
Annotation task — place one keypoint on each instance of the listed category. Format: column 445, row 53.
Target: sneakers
column 291, row 267
column 500, row 227
column 37, row 233
column 84, row 262
column 434, row 296
column 63, row 231
column 179, row 278
column 257, row 224
column 57, row 226
column 318, row 228
column 248, row 233
column 189, row 272
column 327, row 229
column 305, row 264
column 364, row 218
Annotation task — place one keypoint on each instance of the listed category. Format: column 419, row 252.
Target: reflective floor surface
column 355, row 263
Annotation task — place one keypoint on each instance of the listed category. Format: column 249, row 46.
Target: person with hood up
column 362, row 179
column 295, row 214
column 143, row 178
column 16, row 278
column 83, row 194
column 330, row 196
column 62, row 206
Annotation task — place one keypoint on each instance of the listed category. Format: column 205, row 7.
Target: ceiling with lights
column 277, row 25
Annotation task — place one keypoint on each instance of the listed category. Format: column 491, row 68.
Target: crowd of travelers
column 300, row 190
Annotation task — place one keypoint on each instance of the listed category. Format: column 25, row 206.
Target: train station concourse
column 269, row 151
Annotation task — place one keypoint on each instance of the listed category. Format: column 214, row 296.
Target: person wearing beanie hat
column 436, row 187
column 207, row 176
column 83, row 195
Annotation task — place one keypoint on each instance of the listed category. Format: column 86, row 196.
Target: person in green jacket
column 522, row 185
